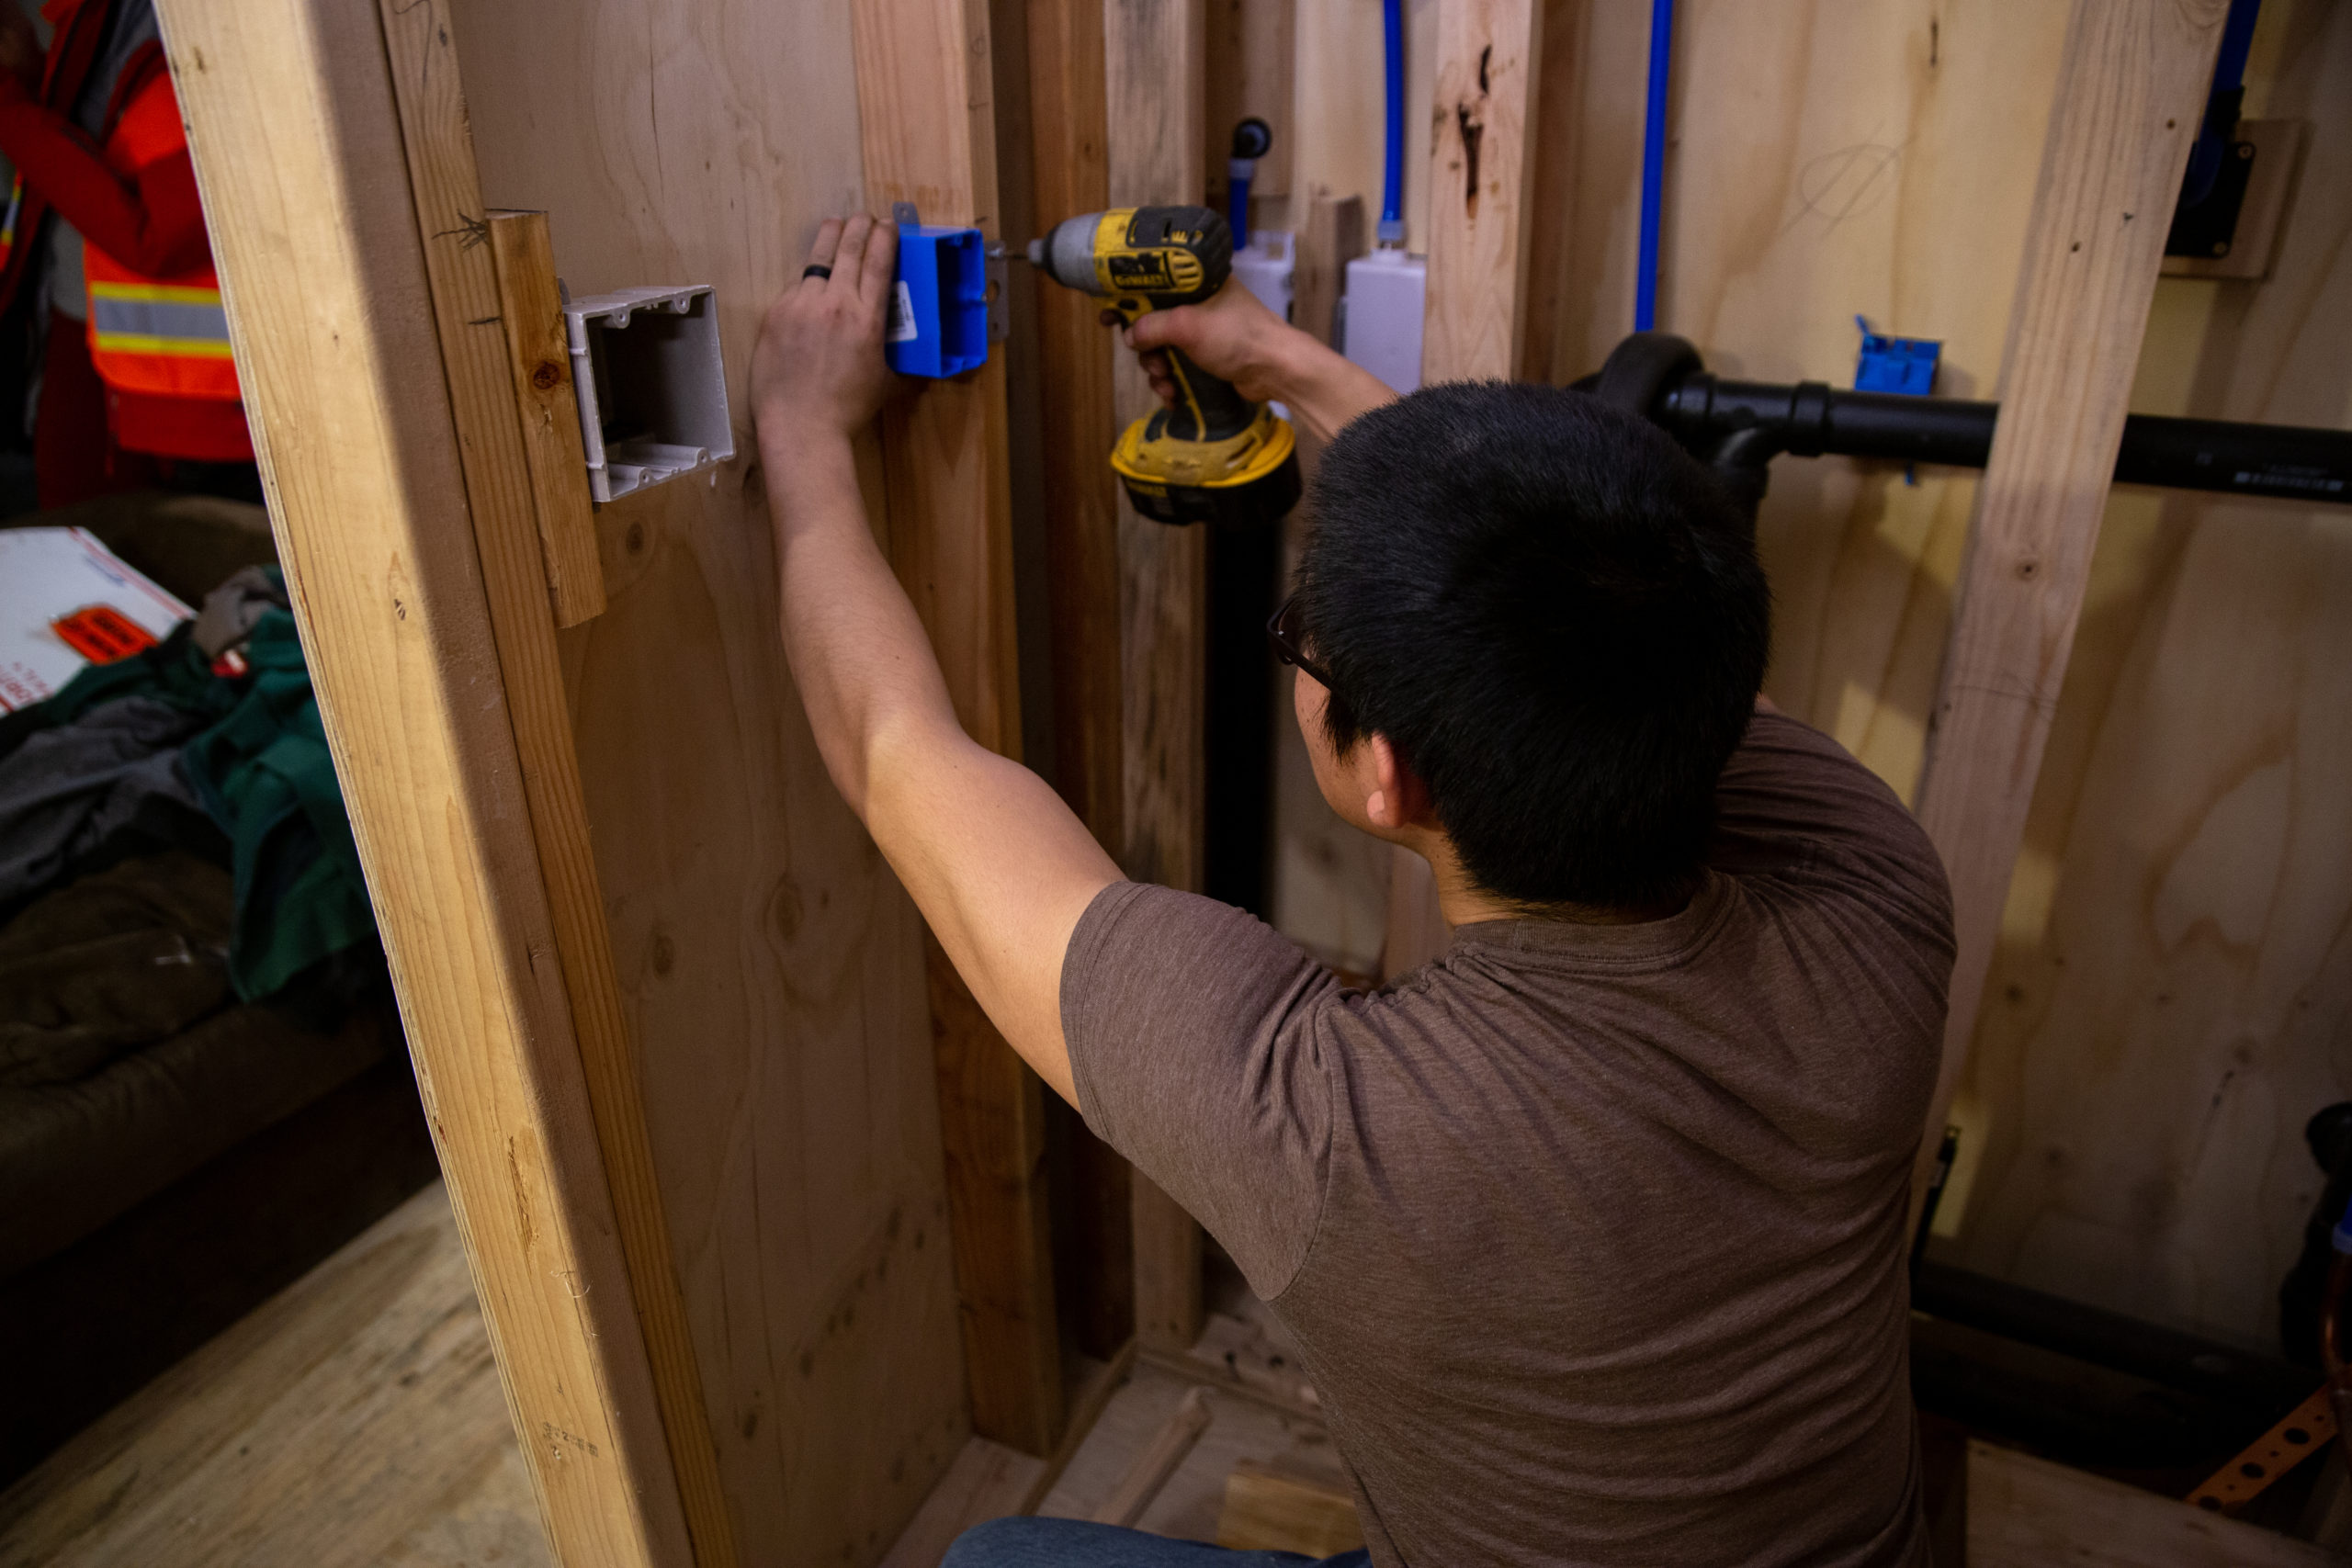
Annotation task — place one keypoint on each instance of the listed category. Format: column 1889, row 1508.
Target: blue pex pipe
column 2237, row 42
column 1654, row 164
column 1392, row 195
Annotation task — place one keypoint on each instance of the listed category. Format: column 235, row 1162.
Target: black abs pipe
column 1739, row 426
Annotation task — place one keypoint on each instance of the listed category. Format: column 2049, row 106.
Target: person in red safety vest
column 104, row 234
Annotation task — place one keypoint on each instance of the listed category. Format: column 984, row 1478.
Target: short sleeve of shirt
column 1193, row 1042
column 1792, row 802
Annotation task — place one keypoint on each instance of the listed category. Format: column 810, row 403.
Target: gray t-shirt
column 1592, row 1236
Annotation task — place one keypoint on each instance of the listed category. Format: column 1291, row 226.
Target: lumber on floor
column 402, row 587
column 1266, row 1509
column 926, row 100
column 1190, row 1502
column 2025, row 1511
column 2131, row 91
column 1153, row 51
column 355, row 1419
column 1150, row 1470
column 988, row 1481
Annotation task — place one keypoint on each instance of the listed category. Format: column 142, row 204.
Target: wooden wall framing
column 331, row 302
column 2169, row 986
column 1153, row 50
column 710, row 1105
column 716, row 1001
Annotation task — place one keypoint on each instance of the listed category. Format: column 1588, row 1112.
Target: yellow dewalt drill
column 1215, row 457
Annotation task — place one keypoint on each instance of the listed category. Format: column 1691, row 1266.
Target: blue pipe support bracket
column 939, row 308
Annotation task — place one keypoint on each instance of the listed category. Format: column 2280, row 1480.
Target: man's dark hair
column 1557, row 617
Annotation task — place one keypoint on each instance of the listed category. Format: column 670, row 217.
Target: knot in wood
column 546, row 376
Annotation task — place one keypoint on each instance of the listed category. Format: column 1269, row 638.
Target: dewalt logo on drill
column 1172, row 270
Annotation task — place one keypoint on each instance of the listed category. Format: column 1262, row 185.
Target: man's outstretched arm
column 997, row 864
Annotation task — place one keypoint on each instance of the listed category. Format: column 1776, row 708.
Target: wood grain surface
column 298, row 146
column 511, row 497
column 771, row 969
column 925, row 73
column 2131, row 85
column 355, row 1420
column 1249, row 52
column 2024, row 1512
column 1482, row 163
column 538, row 352
column 1153, row 54
column 1080, row 498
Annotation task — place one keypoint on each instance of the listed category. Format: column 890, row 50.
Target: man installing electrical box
column 1592, row 1230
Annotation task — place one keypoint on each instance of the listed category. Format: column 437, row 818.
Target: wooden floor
column 358, row 1419
column 355, row 1419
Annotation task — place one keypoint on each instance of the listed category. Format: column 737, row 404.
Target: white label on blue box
column 902, row 316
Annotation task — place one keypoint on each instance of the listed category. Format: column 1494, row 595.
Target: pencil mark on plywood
column 1845, row 182
column 470, row 232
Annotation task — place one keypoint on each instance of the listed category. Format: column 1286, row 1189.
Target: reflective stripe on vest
column 158, row 318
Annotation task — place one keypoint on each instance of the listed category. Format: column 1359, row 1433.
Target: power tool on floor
column 1215, row 457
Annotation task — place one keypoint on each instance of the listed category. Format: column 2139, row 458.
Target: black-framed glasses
column 1284, row 632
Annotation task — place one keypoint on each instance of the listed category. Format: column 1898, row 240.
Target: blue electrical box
column 939, row 309
column 1897, row 363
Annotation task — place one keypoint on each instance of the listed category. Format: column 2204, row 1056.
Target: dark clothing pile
column 208, row 742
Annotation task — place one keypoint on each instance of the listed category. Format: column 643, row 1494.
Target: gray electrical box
column 652, row 392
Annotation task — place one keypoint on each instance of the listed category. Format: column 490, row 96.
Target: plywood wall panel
column 1834, row 158
column 2173, row 996
column 772, row 967
column 2181, row 1006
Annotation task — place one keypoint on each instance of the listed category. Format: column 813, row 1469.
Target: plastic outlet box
column 652, row 388
column 939, row 311
column 1889, row 363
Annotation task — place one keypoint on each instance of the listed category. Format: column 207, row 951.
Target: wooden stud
column 1153, row 72
column 1552, row 239
column 925, row 102
column 530, row 305
column 418, row 584
column 1150, row 1469
column 1250, row 52
column 1333, row 235
column 446, row 188
column 2131, row 91
column 2024, row 1512
column 1068, row 126
column 1482, row 162
column 1268, row 1510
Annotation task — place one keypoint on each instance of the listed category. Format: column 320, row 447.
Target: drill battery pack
column 1244, row 480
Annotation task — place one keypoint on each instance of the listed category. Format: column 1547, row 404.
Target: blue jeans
column 1075, row 1543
